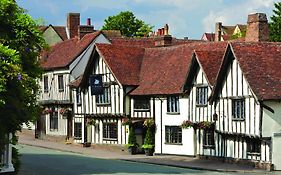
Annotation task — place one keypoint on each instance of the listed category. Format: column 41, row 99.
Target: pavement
column 115, row 152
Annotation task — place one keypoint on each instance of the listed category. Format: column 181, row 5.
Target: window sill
column 176, row 144
column 79, row 104
column 141, row 110
column 46, row 91
column 78, row 138
column 61, row 90
column 109, row 139
column 238, row 119
column 173, row 113
column 198, row 105
column 209, row 146
column 253, row 154
column 103, row 104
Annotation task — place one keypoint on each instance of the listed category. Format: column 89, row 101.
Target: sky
column 186, row 18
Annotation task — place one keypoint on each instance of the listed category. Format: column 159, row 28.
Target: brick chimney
column 73, row 22
column 85, row 29
column 218, row 31
column 163, row 39
column 257, row 28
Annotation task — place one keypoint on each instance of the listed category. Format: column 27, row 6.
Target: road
column 41, row 161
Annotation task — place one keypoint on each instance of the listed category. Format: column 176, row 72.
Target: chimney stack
column 85, row 29
column 163, row 39
column 218, row 31
column 73, row 22
column 257, row 28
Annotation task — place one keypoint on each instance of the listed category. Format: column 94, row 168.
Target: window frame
column 108, row 133
column 173, row 135
column 46, row 83
column 138, row 101
column 101, row 99
column 77, row 133
column 60, row 83
column 54, row 120
column 173, row 105
column 199, row 95
column 253, row 146
column 238, row 109
column 209, row 139
column 78, row 97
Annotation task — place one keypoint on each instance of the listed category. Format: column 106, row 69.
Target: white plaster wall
column 271, row 121
column 188, row 146
column 276, row 154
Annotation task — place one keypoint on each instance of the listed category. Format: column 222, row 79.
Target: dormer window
column 141, row 104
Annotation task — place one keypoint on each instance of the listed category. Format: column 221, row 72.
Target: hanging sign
column 96, row 84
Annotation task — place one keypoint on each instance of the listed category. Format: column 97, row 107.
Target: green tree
column 275, row 24
column 128, row 24
column 20, row 45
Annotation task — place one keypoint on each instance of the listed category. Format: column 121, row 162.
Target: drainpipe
column 161, row 116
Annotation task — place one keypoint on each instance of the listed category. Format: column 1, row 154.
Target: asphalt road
column 41, row 161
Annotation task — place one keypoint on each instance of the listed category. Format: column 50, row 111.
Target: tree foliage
column 128, row 24
column 275, row 24
column 20, row 44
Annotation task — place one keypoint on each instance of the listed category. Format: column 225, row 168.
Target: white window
column 104, row 98
column 238, row 109
column 202, row 95
column 54, row 120
column 173, row 134
column 110, row 131
column 173, row 105
column 141, row 104
column 209, row 138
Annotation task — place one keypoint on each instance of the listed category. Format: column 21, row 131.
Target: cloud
column 236, row 13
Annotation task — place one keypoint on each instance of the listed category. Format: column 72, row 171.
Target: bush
column 149, row 139
column 132, row 140
column 16, row 159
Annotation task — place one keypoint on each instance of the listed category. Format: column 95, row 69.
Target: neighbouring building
column 62, row 63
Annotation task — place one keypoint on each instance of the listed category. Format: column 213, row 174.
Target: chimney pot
column 88, row 21
column 163, row 31
column 166, row 29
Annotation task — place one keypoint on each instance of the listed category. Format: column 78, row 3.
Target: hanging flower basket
column 206, row 125
column 90, row 122
column 149, row 123
column 65, row 112
column 47, row 111
column 187, row 124
column 126, row 121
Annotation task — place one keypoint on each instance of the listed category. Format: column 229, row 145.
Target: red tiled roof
column 211, row 60
column 137, row 42
column 61, row 30
column 164, row 70
column 260, row 63
column 209, row 36
column 76, row 83
column 124, row 61
column 62, row 54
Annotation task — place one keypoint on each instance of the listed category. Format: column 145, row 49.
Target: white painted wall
column 271, row 121
column 188, row 146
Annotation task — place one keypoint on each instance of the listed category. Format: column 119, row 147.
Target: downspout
column 161, row 127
